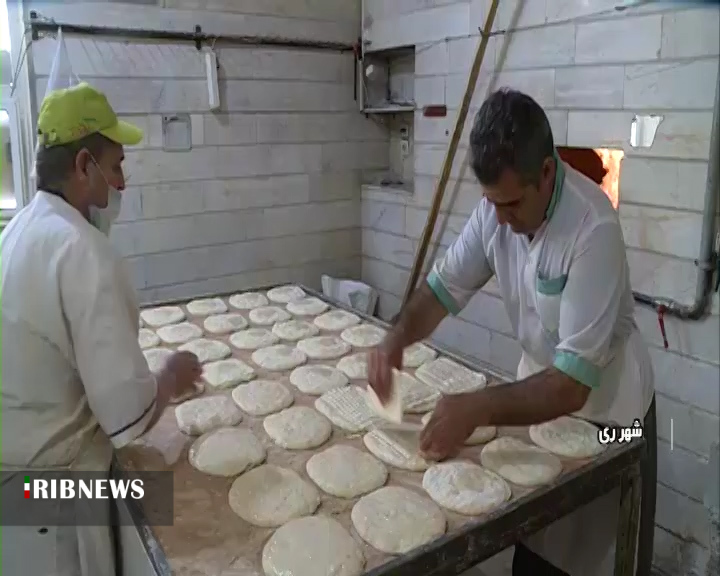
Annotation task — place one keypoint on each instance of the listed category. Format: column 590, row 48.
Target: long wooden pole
column 450, row 155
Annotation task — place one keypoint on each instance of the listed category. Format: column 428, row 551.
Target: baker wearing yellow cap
column 75, row 383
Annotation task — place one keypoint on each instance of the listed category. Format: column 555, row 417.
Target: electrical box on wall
column 177, row 132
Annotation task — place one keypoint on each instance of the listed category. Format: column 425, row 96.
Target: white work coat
column 75, row 383
column 568, row 296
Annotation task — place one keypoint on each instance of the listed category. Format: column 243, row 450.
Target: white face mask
column 103, row 218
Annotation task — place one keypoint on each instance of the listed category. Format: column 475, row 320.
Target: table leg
column 628, row 520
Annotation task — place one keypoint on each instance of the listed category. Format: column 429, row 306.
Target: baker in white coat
column 75, row 383
column 552, row 240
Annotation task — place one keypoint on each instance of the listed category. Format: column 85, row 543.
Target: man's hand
column 381, row 361
column 183, row 370
column 453, row 420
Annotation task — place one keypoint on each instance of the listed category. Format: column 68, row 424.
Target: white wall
column 591, row 75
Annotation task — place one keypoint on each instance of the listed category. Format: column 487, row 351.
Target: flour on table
column 156, row 358
column 294, row 330
column 417, row 354
column 363, row 336
column 480, row 435
column 520, row 463
column 317, row 379
column 179, row 333
column 398, row 450
column 323, row 347
column 225, row 323
column 347, row 408
column 279, row 357
column 207, row 350
column 147, row 338
column 312, row 546
column 226, row 452
column 568, row 437
column 268, row 315
column 162, row 316
column 227, row 373
column 206, row 306
column 253, row 338
column 269, row 496
column 285, row 294
column 309, row 306
column 248, row 300
column 262, row 397
column 449, row 377
column 298, row 428
column 354, row 366
column 336, row 320
column 465, row 488
column 346, row 472
column 414, row 394
column 396, row 520
column 201, row 415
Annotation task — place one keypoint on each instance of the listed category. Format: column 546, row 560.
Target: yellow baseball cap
column 69, row 114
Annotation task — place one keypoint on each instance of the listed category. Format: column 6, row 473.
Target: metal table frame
column 454, row 553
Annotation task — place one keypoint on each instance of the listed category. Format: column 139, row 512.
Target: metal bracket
column 198, row 37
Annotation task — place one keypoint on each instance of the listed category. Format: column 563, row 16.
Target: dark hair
column 511, row 131
column 53, row 164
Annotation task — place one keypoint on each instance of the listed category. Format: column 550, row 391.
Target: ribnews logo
column 69, row 489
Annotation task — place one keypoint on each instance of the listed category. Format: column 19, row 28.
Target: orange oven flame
column 601, row 165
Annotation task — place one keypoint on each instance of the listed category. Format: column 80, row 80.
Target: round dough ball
column 227, row 373
column 519, row 462
column 253, row 338
column 317, row 379
column 268, row 315
column 179, row 333
column 388, row 449
column 346, row 472
column 465, row 488
column 248, row 300
column 285, row 294
column 201, row 415
column 298, row 428
column 480, row 435
column 226, row 452
column 323, row 347
column 268, row 496
column 262, row 397
column 354, row 366
column 206, row 306
column 162, row 316
column 294, row 330
column 207, row 350
column 309, row 306
column 336, row 320
column 396, row 520
column 279, row 357
column 568, row 437
column 147, row 338
column 417, row 354
column 363, row 336
column 156, row 358
column 225, row 323
column 312, row 546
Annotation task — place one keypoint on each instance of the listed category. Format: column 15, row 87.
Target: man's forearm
column 418, row 319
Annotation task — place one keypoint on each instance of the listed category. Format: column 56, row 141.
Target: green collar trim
column 559, row 182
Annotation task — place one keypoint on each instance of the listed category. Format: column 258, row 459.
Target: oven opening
column 601, row 165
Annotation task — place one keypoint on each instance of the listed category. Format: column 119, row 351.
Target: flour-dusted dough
column 480, row 435
column 285, row 294
column 363, row 336
column 309, row 306
column 201, row 415
column 417, row 354
column 253, row 338
column 268, row 496
column 396, row 520
column 262, row 397
column 414, row 394
column 179, row 333
column 317, row 379
column 268, row 315
column 227, row 373
column 449, row 377
column 248, row 300
column 568, row 437
column 312, row 546
column 519, row 462
column 346, row 472
column 298, row 428
column 465, row 488
column 226, row 452
column 225, row 323
column 279, row 357
column 294, row 330
column 196, row 390
column 156, row 358
column 162, row 316
column 323, row 347
column 206, row 306
column 147, row 338
column 207, row 350
column 336, row 320
column 396, row 449
column 347, row 408
column 354, row 366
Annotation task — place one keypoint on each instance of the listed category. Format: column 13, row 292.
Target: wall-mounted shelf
column 389, row 109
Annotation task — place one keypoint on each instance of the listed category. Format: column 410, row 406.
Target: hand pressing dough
column 207, row 350
column 519, row 462
column 162, row 316
column 323, row 347
column 336, row 320
column 206, row 307
column 156, row 358
column 568, row 437
column 147, row 338
column 354, row 366
column 196, row 390
column 347, row 408
column 396, row 520
column 397, row 450
column 363, row 336
column 268, row 315
column 248, row 300
column 298, row 428
column 449, row 377
column 269, row 496
column 226, row 452
column 179, row 333
column 417, row 354
column 480, row 435
column 346, row 472
column 227, row 373
column 262, row 397
column 309, row 306
column 465, row 488
column 294, row 330
column 253, row 338
column 312, row 546
column 285, row 294
column 279, row 357
column 225, row 323
column 201, row 415
column 317, row 379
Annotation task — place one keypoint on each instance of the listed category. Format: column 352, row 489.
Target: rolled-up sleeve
column 590, row 305
column 464, row 268
column 120, row 389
